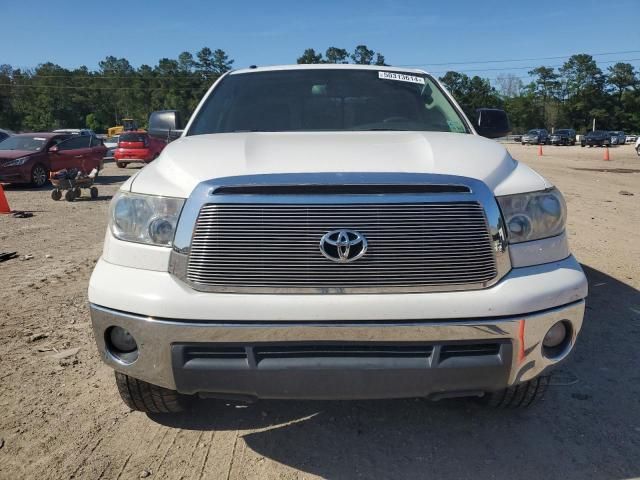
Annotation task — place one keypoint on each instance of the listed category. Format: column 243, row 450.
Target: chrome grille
column 446, row 246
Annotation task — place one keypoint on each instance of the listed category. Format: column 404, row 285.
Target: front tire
column 522, row 395
column 148, row 398
column 39, row 176
column 121, row 165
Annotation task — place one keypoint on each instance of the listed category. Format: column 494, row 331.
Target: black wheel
column 69, row 195
column 522, row 143
column 145, row 397
column 94, row 193
column 121, row 165
column 78, row 192
column 56, row 194
column 519, row 396
column 39, row 176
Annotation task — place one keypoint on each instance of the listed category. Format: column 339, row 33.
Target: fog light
column 555, row 336
column 122, row 340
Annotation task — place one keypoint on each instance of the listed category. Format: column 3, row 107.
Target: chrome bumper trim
column 155, row 337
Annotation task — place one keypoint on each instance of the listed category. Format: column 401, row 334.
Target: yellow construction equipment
column 128, row 124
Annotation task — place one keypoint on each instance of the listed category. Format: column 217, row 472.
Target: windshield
column 533, row 132
column 326, row 100
column 33, row 144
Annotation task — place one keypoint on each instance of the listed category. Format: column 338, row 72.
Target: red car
column 29, row 157
column 137, row 147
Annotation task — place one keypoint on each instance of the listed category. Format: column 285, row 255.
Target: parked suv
column 565, row 136
column 596, row 138
column 137, row 147
column 537, row 136
column 335, row 232
column 28, row 157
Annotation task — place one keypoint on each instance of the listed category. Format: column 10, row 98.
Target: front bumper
column 16, row 174
column 229, row 359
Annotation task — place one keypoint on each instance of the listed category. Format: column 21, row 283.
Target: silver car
column 537, row 136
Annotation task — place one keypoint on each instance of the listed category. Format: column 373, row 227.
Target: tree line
column 50, row 96
column 571, row 96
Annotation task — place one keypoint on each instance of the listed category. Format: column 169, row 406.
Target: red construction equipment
column 4, row 204
column 606, row 156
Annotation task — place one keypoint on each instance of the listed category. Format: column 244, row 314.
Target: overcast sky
column 427, row 34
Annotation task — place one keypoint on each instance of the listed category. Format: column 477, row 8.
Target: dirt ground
column 62, row 417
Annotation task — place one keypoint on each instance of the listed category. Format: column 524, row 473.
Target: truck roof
column 327, row 66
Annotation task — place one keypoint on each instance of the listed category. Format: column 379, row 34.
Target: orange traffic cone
column 540, row 154
column 4, row 204
column 606, row 156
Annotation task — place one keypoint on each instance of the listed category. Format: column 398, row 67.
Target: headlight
column 532, row 216
column 16, row 162
column 144, row 218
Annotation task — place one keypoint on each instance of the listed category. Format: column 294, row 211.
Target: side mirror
column 54, row 149
column 492, row 123
column 165, row 124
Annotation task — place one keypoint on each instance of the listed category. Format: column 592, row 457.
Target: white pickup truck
column 334, row 232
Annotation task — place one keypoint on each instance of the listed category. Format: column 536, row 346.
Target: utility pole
column 594, row 124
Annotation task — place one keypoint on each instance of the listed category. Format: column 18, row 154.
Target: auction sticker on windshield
column 401, row 77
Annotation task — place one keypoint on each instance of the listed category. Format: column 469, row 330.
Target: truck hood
column 191, row 160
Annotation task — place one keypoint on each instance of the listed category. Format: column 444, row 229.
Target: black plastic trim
column 339, row 370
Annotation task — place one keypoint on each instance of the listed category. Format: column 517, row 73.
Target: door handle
column 78, row 156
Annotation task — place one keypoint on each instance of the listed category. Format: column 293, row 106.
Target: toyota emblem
column 343, row 246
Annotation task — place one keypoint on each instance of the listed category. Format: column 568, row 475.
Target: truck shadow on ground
column 587, row 427
column 111, row 179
